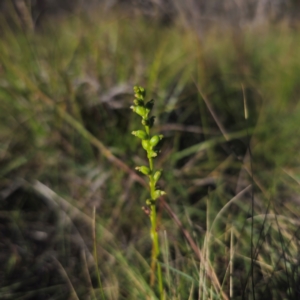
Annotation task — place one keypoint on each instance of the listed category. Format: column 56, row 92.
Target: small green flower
column 157, row 175
column 146, row 145
column 152, row 154
column 140, row 110
column 158, row 193
column 140, row 134
column 155, row 140
column 143, row 169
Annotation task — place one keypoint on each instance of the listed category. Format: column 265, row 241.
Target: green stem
column 156, row 251
column 154, row 235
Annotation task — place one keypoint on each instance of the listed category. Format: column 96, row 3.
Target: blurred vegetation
column 66, row 153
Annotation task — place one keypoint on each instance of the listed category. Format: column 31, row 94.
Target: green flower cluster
column 149, row 143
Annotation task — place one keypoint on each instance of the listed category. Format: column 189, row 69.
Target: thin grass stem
column 95, row 254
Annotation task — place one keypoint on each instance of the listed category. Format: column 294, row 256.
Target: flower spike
column 150, row 144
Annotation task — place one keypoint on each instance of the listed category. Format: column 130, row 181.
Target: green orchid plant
column 151, row 146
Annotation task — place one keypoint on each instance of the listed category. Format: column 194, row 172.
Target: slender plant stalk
column 151, row 146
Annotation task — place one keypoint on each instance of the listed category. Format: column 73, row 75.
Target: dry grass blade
column 211, row 110
column 87, row 274
column 237, row 197
column 55, row 201
column 24, row 14
column 65, row 275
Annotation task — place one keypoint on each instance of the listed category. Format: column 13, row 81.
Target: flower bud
column 155, row 140
column 140, row 134
column 139, row 92
column 157, row 175
column 143, row 169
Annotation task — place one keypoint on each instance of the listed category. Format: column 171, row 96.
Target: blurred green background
column 71, row 223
